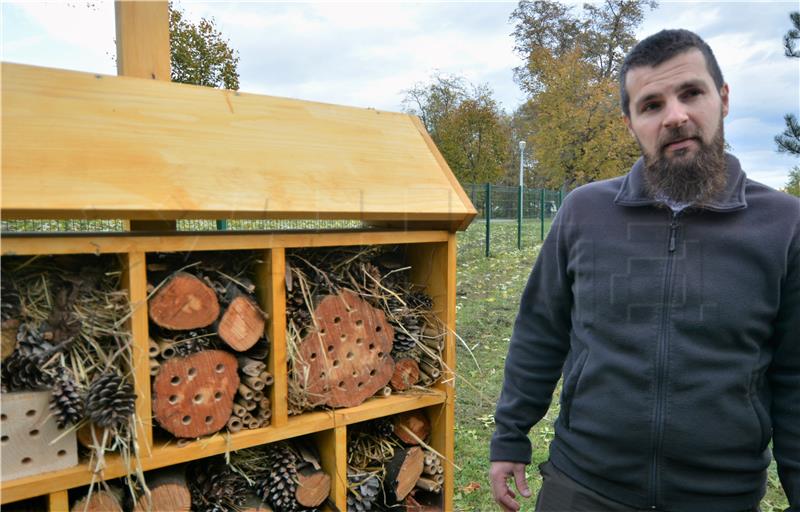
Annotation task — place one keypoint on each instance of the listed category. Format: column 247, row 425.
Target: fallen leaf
column 471, row 487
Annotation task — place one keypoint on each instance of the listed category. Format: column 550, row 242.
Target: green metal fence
column 504, row 222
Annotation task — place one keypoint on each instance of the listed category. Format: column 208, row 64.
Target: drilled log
column 313, row 486
column 414, row 421
column 403, row 471
column 406, row 374
column 242, row 324
column 194, row 394
column 184, row 302
column 168, row 492
column 99, row 501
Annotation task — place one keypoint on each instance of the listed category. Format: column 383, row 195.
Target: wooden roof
column 82, row 145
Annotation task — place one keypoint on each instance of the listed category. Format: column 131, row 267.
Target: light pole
column 521, row 187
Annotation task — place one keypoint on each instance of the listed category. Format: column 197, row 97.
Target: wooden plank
column 142, row 39
column 198, row 152
column 333, row 453
column 58, row 501
column 272, row 294
column 16, row 245
column 135, row 281
column 165, row 455
column 378, row 406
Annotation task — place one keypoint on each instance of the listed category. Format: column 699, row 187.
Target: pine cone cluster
column 280, row 485
column 22, row 370
column 110, row 401
column 362, row 492
column 66, row 403
column 214, row 487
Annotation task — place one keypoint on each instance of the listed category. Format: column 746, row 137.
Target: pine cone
column 23, row 369
column 66, row 403
column 362, row 492
column 191, row 342
column 279, row 487
column 214, row 487
column 382, row 427
column 110, row 401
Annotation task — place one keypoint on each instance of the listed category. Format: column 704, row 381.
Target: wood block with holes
column 347, row 357
column 28, row 434
column 193, row 395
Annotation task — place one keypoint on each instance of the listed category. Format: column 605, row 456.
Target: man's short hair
column 661, row 47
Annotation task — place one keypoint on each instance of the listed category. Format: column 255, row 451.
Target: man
column 671, row 298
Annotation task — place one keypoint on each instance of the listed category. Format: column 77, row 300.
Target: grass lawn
column 487, row 301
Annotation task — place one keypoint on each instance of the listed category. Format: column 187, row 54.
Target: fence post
column 488, row 213
column 519, row 219
column 541, row 214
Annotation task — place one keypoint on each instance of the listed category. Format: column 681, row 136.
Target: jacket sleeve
column 538, row 347
column 784, row 378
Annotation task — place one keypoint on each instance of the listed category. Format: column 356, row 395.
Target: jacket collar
column 633, row 193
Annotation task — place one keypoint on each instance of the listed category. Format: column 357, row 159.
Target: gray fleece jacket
column 678, row 338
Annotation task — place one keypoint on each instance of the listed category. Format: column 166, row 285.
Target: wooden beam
column 145, row 149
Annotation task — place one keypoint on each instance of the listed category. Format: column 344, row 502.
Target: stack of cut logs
column 208, row 351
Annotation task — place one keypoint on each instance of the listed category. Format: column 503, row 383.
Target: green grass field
column 487, row 300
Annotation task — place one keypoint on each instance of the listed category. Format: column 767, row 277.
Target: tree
column 466, row 124
column 789, row 140
column 575, row 127
column 199, row 53
column 793, row 185
column 792, row 36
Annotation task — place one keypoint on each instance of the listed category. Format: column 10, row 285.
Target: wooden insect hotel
column 153, row 367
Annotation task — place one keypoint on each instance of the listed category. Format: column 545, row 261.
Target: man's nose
column 675, row 114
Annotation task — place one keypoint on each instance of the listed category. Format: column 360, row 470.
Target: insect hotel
column 156, row 367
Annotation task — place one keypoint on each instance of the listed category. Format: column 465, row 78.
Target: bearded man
column 669, row 300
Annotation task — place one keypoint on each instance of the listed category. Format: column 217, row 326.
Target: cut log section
column 99, row 501
column 184, row 302
column 168, row 493
column 403, row 471
column 416, row 422
column 193, row 395
column 313, row 486
column 347, row 356
column 406, row 374
column 242, row 324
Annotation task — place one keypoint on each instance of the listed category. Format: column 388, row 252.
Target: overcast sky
column 367, row 54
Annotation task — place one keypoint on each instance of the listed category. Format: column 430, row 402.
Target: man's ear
column 724, row 94
column 627, row 121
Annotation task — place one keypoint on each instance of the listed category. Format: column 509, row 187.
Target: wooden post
column 332, row 446
column 58, row 501
column 271, row 287
column 143, row 52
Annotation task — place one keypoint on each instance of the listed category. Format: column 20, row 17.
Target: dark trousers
column 560, row 493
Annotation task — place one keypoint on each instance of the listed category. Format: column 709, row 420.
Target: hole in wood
column 326, row 388
column 322, row 332
column 26, row 460
column 380, row 354
column 3, row 417
column 372, row 372
column 341, row 384
column 218, row 396
column 4, row 439
column 360, row 385
column 359, row 322
column 219, row 368
column 192, row 373
column 175, row 380
column 61, row 453
column 198, row 399
column 330, row 348
column 322, row 375
column 209, row 419
column 34, row 432
column 359, row 341
column 173, row 399
column 313, row 355
column 343, row 337
column 335, row 363
column 349, row 355
column 186, row 420
column 30, row 413
column 355, row 373
column 371, row 346
column 336, row 319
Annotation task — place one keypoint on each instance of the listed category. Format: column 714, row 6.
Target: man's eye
column 649, row 107
column 692, row 93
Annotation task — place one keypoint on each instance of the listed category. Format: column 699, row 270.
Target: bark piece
column 168, row 491
column 9, row 336
column 242, row 324
column 347, row 357
column 406, row 374
column 184, row 302
column 194, row 394
column 403, row 471
column 313, row 486
column 416, row 422
column 99, row 501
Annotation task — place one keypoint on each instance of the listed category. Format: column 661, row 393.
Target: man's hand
column 499, row 474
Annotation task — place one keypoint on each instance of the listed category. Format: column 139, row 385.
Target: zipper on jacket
column 661, row 363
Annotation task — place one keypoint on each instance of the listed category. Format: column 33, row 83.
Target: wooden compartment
column 146, row 151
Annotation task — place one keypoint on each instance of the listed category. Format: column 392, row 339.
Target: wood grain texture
column 333, row 458
column 113, row 243
column 199, row 152
column 142, row 39
column 272, row 289
column 58, row 501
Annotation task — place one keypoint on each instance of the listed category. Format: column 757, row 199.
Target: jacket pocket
column 571, row 386
column 761, row 412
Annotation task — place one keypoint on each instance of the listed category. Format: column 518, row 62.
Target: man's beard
column 695, row 180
